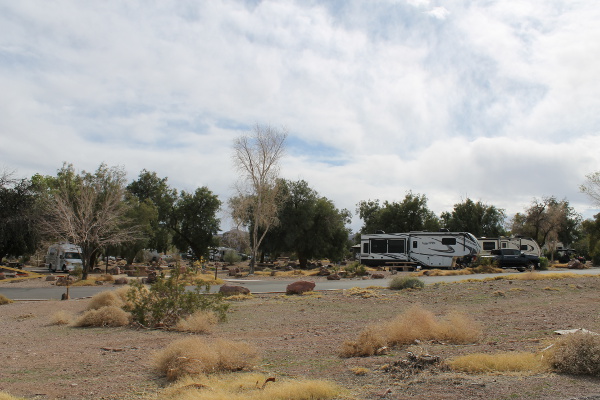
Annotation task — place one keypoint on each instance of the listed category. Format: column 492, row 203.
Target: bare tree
column 256, row 156
column 89, row 210
column 591, row 187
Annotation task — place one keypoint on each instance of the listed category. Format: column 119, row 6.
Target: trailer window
column 72, row 256
column 489, row 245
column 378, row 246
column 504, row 245
column 524, row 247
column 396, row 246
column 414, row 244
column 449, row 241
column 365, row 247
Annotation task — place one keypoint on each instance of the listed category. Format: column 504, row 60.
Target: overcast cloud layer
column 497, row 101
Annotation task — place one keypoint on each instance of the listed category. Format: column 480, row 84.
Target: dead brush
column 415, row 323
column 105, row 316
column 195, row 356
column 249, row 386
column 6, row 396
column 105, row 299
column 4, row 300
column 577, row 354
column 198, row 322
column 510, row 362
column 361, row 292
column 61, row 318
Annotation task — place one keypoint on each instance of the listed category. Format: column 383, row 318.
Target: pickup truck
column 514, row 258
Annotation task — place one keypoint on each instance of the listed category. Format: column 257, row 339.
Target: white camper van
column 425, row 249
column 64, row 257
column 526, row 245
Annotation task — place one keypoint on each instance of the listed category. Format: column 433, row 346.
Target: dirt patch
column 302, row 335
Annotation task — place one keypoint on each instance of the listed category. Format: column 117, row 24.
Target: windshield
column 72, row 256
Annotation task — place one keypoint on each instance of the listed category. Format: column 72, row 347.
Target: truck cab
column 63, row 256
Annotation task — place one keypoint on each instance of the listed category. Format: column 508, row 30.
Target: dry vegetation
column 488, row 345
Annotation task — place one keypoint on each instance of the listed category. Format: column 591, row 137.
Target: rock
column 2, row 276
column 334, row 277
column 233, row 271
column 300, row 287
column 121, row 281
column 50, row 278
column 228, row 290
column 115, row 271
column 99, row 283
column 65, row 296
column 377, row 276
column 575, row 264
column 323, row 272
column 64, row 280
column 151, row 277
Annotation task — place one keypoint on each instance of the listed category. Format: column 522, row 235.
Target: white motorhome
column 64, row 257
column 425, row 249
column 218, row 254
column 526, row 245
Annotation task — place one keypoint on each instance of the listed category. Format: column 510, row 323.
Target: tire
column 64, row 268
column 51, row 269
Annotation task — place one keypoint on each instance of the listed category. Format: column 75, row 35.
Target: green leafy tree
column 475, row 217
column 309, row 225
column 149, row 187
column 19, row 213
column 548, row 221
column 591, row 228
column 142, row 214
column 411, row 214
column 193, row 220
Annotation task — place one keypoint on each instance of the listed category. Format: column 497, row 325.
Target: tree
column 19, row 206
column 149, row 187
column 476, row 218
column 591, row 227
column 256, row 156
column 194, row 222
column 548, row 221
column 412, row 214
column 310, row 225
column 591, row 187
column 88, row 210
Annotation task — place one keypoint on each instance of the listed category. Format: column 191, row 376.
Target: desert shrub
column 194, row 356
column 4, row 300
column 167, row 301
column 198, row 322
column 231, row 257
column 77, row 272
column 499, row 362
column 356, row 268
column 415, row 323
column 360, row 371
column 365, row 293
column 544, row 263
column 249, row 386
column 406, row 282
column 577, row 354
column 61, row 318
column 105, row 316
column 104, row 299
column 486, row 268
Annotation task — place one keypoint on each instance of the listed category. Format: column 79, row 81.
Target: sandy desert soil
column 301, row 336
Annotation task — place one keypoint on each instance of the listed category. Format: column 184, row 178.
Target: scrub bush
column 406, row 282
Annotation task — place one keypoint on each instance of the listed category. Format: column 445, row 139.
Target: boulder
column 377, row 276
column 323, row 272
column 2, row 276
column 230, row 290
column 300, row 287
column 234, row 271
column 50, row 278
column 121, row 281
column 575, row 264
column 334, row 277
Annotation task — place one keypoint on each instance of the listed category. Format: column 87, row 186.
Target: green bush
column 231, row 257
column 356, row 268
column 544, row 263
column 167, row 301
column 406, row 282
column 77, row 272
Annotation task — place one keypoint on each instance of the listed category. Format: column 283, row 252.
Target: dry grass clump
column 577, row 354
column 415, row 323
column 512, row 362
column 208, row 278
column 104, row 316
column 61, row 318
column 361, row 292
column 247, row 386
column 536, row 276
column 195, row 356
column 240, row 297
column 480, row 269
column 4, row 300
column 6, row 396
column 360, row 371
column 199, row 322
column 106, row 299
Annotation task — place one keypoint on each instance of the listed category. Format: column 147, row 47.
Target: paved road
column 255, row 286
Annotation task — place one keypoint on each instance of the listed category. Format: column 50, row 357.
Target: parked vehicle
column 513, row 258
column 424, row 249
column 63, row 256
column 524, row 244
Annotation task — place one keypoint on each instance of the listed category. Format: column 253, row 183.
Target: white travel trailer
column 526, row 245
column 63, row 256
column 425, row 249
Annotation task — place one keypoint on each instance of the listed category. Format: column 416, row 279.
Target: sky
column 494, row 100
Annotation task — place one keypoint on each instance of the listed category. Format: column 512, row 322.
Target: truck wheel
column 64, row 268
column 51, row 269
